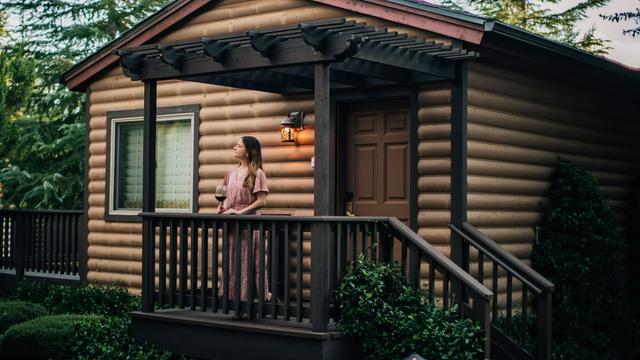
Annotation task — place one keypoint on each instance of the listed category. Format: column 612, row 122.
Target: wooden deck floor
column 217, row 336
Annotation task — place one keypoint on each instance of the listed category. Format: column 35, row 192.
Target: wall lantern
column 290, row 125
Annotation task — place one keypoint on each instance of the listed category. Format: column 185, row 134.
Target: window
column 175, row 163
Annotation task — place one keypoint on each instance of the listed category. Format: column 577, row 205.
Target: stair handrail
column 440, row 258
column 514, row 267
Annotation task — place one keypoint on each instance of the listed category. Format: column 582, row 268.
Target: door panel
column 377, row 167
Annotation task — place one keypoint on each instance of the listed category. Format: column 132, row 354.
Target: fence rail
column 41, row 243
column 190, row 264
column 509, row 275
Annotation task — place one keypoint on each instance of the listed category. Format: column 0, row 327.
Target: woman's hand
column 231, row 212
column 220, row 209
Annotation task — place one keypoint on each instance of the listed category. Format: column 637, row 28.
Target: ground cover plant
column 580, row 250
column 89, row 322
column 16, row 312
column 390, row 319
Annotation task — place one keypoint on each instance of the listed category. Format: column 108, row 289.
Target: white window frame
column 190, row 116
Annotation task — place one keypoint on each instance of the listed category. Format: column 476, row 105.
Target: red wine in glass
column 221, row 198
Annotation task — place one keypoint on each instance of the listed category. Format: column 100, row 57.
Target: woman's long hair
column 252, row 145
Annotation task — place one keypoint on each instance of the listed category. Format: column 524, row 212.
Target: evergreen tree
column 580, row 250
column 631, row 15
column 42, row 123
column 534, row 16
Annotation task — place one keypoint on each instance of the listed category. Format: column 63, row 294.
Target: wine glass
column 221, row 193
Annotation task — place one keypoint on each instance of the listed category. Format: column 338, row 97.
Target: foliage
column 536, row 17
column 45, row 337
column 390, row 319
column 16, row 312
column 580, row 250
column 41, row 122
column 522, row 333
column 105, row 300
column 632, row 15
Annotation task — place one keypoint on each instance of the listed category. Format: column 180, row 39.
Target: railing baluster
column 70, row 240
column 204, row 253
column 340, row 255
column 299, row 270
column 238, row 266
column 49, row 244
column 480, row 267
column 509, row 302
column 225, row 267
column 287, row 271
column 251, row 270
column 55, row 237
column 403, row 260
column 445, row 289
column 173, row 254
column 162, row 262
column 194, row 264
column 432, row 280
column 214, row 267
column 365, row 244
column 273, row 245
column 261, row 270
column 494, row 309
column 356, row 236
column 183, row 263
column 524, row 313
column 375, row 243
column 414, row 269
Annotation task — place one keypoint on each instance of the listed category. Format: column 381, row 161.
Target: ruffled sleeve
column 260, row 183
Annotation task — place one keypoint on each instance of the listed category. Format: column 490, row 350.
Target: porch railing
column 192, row 262
column 41, row 243
column 524, row 336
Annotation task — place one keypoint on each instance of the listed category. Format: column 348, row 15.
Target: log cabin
column 392, row 128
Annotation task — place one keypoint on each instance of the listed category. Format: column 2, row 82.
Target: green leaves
column 536, row 17
column 42, row 127
column 580, row 251
column 390, row 319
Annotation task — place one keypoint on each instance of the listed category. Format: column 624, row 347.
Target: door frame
column 340, row 100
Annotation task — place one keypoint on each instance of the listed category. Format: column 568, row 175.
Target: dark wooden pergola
column 318, row 56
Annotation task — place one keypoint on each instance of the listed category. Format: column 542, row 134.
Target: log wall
column 226, row 114
column 518, row 125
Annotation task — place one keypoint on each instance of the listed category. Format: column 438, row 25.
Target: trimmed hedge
column 16, row 312
column 391, row 320
column 46, row 337
column 105, row 300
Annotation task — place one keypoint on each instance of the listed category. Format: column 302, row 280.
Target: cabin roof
column 470, row 28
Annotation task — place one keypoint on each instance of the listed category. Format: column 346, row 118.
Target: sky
column 625, row 49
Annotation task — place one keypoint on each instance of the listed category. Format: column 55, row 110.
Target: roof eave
column 79, row 75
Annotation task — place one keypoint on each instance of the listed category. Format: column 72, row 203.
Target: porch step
column 216, row 336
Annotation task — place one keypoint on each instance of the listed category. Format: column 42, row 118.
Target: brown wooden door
column 377, row 166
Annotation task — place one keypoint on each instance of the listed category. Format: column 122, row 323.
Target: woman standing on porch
column 246, row 188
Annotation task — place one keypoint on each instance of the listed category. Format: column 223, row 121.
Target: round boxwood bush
column 46, row 337
column 390, row 319
column 16, row 312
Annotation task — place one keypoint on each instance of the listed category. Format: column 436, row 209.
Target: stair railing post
column 543, row 349
column 149, row 194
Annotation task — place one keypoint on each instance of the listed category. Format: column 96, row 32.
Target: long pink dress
column 239, row 197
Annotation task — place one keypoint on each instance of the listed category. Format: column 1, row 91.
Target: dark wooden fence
column 180, row 268
column 43, row 244
column 508, row 275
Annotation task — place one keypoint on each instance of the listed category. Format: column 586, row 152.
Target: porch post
column 149, row 194
column 324, row 198
column 459, row 162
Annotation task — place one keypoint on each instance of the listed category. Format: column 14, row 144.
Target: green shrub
column 390, row 319
column 580, row 250
column 105, row 300
column 46, row 337
column 82, row 337
column 16, row 312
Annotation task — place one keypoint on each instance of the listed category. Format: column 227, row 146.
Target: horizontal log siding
column 434, row 164
column 226, row 113
column 518, row 126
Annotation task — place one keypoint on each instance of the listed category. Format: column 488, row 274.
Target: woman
column 246, row 192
